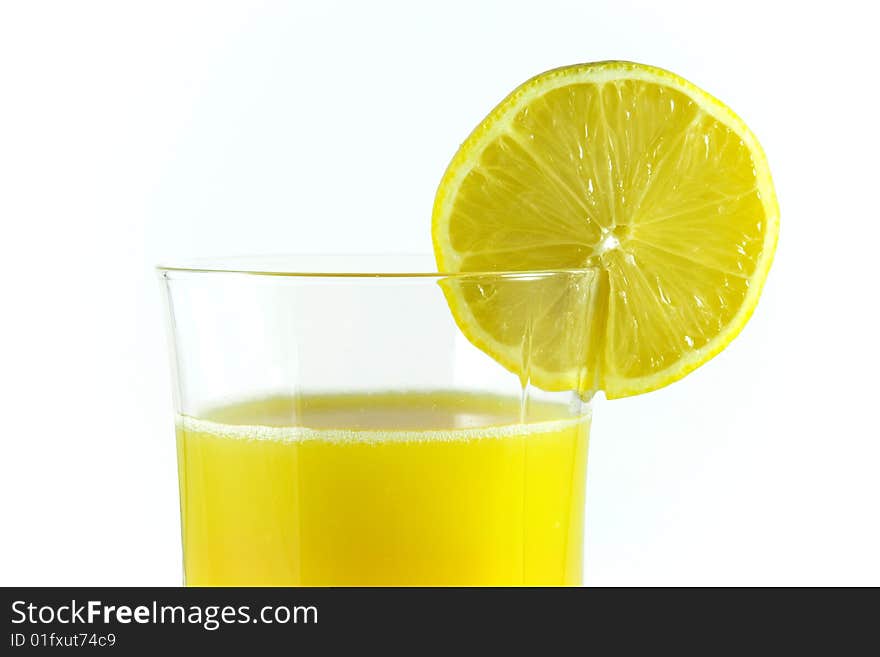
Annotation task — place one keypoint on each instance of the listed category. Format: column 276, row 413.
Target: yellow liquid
column 395, row 489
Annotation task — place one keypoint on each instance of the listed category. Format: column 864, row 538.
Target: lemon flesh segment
column 630, row 170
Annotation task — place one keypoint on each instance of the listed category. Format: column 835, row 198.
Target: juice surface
column 390, row 489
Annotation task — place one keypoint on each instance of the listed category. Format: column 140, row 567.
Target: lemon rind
column 496, row 124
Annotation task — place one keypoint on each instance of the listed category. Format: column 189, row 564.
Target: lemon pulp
column 630, row 170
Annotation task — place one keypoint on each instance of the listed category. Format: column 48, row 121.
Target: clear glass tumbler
column 338, row 425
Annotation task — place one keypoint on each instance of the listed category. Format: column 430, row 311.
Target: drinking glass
column 339, row 423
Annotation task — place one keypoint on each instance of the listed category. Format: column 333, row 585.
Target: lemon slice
column 633, row 171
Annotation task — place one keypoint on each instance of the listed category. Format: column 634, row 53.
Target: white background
column 135, row 132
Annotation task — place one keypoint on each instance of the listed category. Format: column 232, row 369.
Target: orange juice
column 383, row 489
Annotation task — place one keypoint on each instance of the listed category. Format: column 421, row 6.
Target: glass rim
column 311, row 266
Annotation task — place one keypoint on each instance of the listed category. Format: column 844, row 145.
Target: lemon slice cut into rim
column 627, row 169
